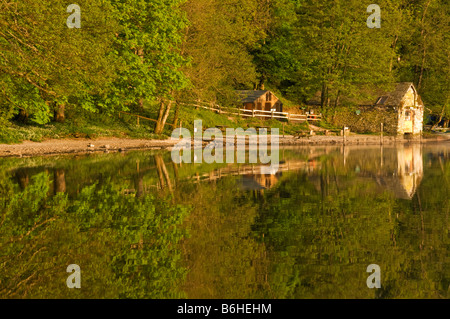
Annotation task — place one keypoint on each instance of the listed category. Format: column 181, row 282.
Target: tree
column 149, row 46
column 326, row 46
column 218, row 40
column 427, row 54
column 46, row 65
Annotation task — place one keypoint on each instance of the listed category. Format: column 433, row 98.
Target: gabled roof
column 249, row 96
column 394, row 98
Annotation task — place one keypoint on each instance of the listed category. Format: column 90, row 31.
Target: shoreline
column 106, row 145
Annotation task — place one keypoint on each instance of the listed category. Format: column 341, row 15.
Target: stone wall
column 411, row 102
column 369, row 120
column 418, row 121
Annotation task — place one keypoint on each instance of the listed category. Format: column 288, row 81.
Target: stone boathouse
column 400, row 111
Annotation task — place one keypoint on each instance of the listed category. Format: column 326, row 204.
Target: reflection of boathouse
column 397, row 170
column 266, row 177
column 259, row 181
column 409, row 172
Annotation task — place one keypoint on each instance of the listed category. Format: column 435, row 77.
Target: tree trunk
column 23, row 116
column 166, row 114
column 394, row 44
column 59, row 114
column 162, row 116
column 158, row 129
column 424, row 36
column 140, row 102
column 140, row 105
column 422, row 66
column 175, row 119
column 440, row 118
column 323, row 97
column 336, row 103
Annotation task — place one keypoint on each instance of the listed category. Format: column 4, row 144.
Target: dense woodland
column 132, row 55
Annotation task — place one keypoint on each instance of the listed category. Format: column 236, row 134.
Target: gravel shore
column 78, row 146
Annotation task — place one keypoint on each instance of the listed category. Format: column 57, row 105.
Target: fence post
column 137, row 120
column 272, row 115
column 343, row 135
column 381, row 133
column 253, row 112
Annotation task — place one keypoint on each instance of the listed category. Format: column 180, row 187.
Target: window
column 407, row 116
column 381, row 100
column 268, row 96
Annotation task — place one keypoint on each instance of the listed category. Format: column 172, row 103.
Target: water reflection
column 399, row 170
column 143, row 227
column 410, row 169
column 401, row 175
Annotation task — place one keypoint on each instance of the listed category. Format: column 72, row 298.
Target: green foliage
column 131, row 54
column 45, row 63
column 300, row 48
column 80, row 124
column 325, row 46
column 148, row 45
column 425, row 53
column 126, row 246
column 218, row 40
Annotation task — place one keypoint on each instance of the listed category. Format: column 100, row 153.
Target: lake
column 140, row 226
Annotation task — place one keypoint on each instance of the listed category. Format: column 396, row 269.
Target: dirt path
column 76, row 146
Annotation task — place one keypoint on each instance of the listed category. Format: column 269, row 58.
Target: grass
column 211, row 119
column 103, row 126
column 94, row 125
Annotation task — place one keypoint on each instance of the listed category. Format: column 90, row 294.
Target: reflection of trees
column 22, row 178
column 224, row 261
column 164, row 178
column 139, row 181
column 311, row 235
column 59, row 181
column 126, row 246
column 326, row 230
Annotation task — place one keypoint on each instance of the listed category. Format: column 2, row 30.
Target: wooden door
column 408, row 121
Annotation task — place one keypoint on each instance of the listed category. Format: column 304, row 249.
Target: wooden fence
column 141, row 117
column 258, row 113
column 239, row 112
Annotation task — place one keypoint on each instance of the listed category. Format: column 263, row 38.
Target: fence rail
column 142, row 117
column 239, row 112
column 258, row 113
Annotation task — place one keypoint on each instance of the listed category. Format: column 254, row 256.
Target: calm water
column 140, row 226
